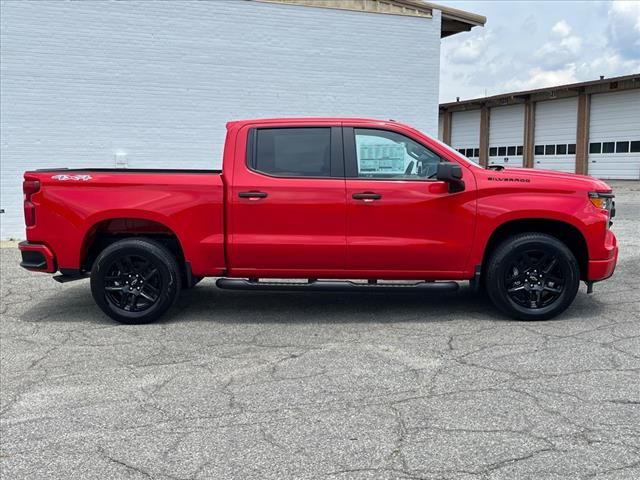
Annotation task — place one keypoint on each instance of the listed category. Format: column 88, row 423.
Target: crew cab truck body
column 322, row 198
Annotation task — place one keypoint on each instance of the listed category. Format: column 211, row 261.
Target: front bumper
column 37, row 257
column 603, row 269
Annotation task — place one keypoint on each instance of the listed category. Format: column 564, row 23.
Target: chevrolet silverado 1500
column 339, row 203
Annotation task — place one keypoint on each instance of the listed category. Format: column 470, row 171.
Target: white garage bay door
column 614, row 135
column 555, row 135
column 465, row 133
column 506, row 133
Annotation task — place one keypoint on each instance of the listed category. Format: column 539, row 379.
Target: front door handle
column 366, row 196
column 252, row 194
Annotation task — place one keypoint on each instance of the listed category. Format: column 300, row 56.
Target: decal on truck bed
column 71, row 177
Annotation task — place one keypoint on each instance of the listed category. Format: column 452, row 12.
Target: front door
column 287, row 215
column 401, row 222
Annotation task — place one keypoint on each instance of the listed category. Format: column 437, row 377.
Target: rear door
column 287, row 200
column 401, row 222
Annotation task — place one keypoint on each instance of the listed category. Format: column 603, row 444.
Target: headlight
column 604, row 201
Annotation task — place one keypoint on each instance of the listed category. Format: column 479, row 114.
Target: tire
column 135, row 280
column 532, row 276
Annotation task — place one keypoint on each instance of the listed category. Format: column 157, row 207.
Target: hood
column 551, row 178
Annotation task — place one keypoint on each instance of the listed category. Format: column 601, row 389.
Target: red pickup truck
column 322, row 200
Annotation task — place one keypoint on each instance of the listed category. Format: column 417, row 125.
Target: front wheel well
column 565, row 232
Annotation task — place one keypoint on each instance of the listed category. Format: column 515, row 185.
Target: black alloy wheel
column 535, row 279
column 532, row 276
column 133, row 283
column 135, row 280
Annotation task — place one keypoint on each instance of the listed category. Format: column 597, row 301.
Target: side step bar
column 333, row 286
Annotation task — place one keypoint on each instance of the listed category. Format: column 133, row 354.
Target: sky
column 526, row 45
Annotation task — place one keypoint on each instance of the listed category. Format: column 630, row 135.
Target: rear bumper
column 603, row 269
column 37, row 257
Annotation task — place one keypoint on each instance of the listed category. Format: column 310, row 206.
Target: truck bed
column 73, row 205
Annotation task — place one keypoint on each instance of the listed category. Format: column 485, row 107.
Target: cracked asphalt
column 261, row 385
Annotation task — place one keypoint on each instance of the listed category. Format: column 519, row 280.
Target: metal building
column 589, row 128
column 151, row 84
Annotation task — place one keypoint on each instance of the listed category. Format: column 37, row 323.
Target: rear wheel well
column 566, row 233
column 106, row 232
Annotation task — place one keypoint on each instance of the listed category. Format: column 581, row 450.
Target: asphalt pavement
column 259, row 385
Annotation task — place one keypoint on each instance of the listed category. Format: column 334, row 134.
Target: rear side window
column 293, row 152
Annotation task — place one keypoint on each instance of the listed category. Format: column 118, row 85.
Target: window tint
column 293, row 152
column 502, row 151
column 539, row 150
column 622, row 147
column 635, row 146
column 571, row 149
column 511, row 151
column 549, row 149
column 493, row 151
column 469, row 152
column 385, row 154
column 561, row 149
column 595, row 147
column 462, row 151
column 476, row 152
column 607, row 147
column 519, row 150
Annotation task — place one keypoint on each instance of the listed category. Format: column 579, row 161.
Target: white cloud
column 561, row 28
column 623, row 29
column 526, row 47
column 470, row 49
column 540, row 78
column 555, row 54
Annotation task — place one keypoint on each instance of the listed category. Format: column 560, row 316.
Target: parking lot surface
column 322, row 385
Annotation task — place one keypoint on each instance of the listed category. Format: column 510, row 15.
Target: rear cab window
column 303, row 152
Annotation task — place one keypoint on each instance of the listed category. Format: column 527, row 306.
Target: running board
column 334, row 286
column 70, row 278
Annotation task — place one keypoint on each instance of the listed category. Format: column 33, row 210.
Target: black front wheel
column 532, row 276
column 135, row 280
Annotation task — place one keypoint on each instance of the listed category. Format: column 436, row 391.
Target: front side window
column 293, row 152
column 389, row 155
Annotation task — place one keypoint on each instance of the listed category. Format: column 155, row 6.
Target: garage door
column 465, row 133
column 506, row 132
column 614, row 135
column 555, row 135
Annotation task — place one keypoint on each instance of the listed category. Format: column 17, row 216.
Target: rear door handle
column 366, row 196
column 252, row 194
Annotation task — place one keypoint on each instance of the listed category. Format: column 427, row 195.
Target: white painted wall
column 556, row 123
column 615, row 117
column 82, row 81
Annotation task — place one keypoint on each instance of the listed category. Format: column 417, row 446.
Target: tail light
column 29, row 187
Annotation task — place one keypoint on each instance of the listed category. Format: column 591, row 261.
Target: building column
column 529, row 134
column 446, row 127
column 582, row 133
column 484, row 135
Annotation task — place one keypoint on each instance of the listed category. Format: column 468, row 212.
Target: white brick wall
column 81, row 81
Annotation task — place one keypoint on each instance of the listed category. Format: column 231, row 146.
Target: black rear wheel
column 532, row 277
column 135, row 280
